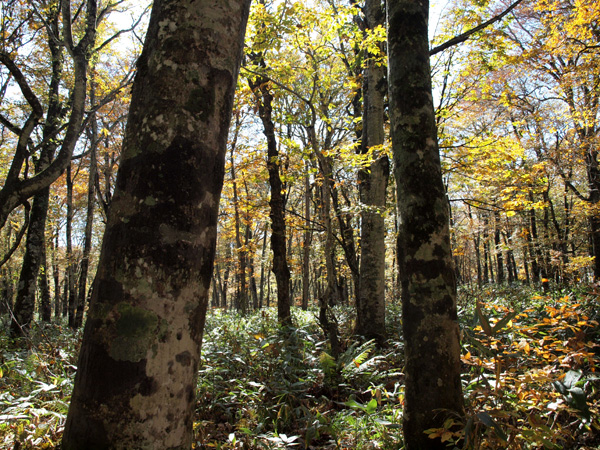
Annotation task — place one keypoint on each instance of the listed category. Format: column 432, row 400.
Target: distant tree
column 136, row 378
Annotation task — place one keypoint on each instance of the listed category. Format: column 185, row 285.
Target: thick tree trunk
column 370, row 301
column 431, row 333
column 136, row 378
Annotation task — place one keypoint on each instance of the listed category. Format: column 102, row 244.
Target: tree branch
column 467, row 34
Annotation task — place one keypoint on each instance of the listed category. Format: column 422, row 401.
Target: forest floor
column 531, row 379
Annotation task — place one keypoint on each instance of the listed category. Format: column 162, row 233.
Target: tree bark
column 136, row 378
column 241, row 297
column 15, row 191
column 45, row 299
column 264, row 100
column 36, row 237
column 370, row 301
column 89, row 219
column 70, row 292
column 431, row 333
column 307, row 239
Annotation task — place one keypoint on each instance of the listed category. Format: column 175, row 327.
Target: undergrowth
column 530, row 379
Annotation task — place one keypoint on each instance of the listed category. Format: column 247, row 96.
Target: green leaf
column 372, row 406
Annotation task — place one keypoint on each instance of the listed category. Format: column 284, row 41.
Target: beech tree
column 373, row 180
column 430, row 324
column 137, row 369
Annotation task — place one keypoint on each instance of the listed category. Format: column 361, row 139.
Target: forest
column 335, row 224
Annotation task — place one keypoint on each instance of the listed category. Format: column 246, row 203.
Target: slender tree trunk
column 532, row 240
column 431, row 333
column 226, row 275
column 262, row 270
column 250, row 261
column 56, row 277
column 71, row 296
column 136, row 377
column 89, row 218
column 241, row 299
column 498, row 250
column 306, row 242
column 28, row 281
column 45, row 299
column 36, row 238
column 370, row 301
column 264, row 99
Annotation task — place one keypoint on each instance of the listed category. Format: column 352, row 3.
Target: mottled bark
column 431, row 333
column 370, row 301
column 136, row 378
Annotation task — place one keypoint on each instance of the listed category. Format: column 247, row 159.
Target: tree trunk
column 70, row 294
column 89, row 218
column 136, row 378
column 306, row 241
column 36, row 238
column 498, row 248
column 15, row 190
column 263, row 253
column 431, row 333
column 241, row 298
column 56, row 277
column 370, row 301
column 264, row 100
column 45, row 300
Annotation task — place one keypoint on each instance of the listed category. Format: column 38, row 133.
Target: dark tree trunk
column 70, row 293
column 56, row 277
column 241, row 297
column 45, row 299
column 136, row 377
column 498, row 248
column 15, row 190
column 28, row 281
column 89, row 218
column 262, row 270
column 431, row 333
column 264, row 100
column 307, row 241
column 36, row 237
column 250, row 260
